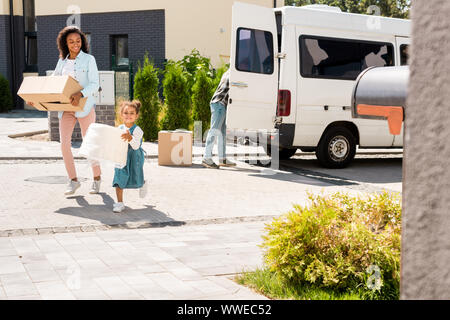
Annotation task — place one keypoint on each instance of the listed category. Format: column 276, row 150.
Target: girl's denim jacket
column 86, row 73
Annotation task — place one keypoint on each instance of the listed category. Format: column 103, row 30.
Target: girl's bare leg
column 119, row 193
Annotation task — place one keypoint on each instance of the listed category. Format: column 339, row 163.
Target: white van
column 293, row 70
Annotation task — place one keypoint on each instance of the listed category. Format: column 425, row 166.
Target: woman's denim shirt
column 86, row 73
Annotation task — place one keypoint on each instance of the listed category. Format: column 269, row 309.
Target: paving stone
column 8, row 252
column 54, row 290
column 115, row 288
column 91, row 263
column 90, row 294
column 159, row 255
column 10, row 264
column 43, row 275
column 18, row 284
column 24, row 245
column 208, row 287
column 150, row 268
column 49, row 245
column 31, row 297
column 153, row 292
column 175, row 286
column 60, row 259
column 5, row 243
column 186, row 274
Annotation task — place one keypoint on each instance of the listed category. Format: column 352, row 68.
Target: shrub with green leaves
column 193, row 62
column 202, row 92
column 146, row 84
column 339, row 242
column 176, row 98
column 6, row 102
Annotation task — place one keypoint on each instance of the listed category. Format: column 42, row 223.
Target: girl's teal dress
column 132, row 175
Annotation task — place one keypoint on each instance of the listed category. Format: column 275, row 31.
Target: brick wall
column 5, row 55
column 104, row 114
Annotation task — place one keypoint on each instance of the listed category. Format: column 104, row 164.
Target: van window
column 340, row 58
column 404, row 54
column 254, row 51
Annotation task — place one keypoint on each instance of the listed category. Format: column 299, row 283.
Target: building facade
column 119, row 32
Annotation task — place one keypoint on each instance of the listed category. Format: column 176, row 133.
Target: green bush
column 202, row 92
column 176, row 98
column 332, row 243
column 6, row 101
column 146, row 84
column 193, row 62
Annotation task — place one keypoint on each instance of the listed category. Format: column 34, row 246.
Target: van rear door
column 253, row 68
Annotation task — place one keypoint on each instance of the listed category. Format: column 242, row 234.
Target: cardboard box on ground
column 51, row 93
column 175, row 148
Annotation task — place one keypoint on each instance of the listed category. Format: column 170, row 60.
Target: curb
column 130, row 226
column 27, row 134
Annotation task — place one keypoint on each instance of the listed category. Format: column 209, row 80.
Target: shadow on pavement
column 105, row 215
column 363, row 170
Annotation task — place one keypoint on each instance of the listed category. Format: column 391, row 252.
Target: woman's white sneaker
column 118, row 207
column 72, row 187
column 95, row 188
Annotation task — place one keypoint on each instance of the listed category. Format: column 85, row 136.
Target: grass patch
column 272, row 286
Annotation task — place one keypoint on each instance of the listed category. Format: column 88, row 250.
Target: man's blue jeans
column 217, row 129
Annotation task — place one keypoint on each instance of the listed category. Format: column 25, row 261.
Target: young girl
column 132, row 175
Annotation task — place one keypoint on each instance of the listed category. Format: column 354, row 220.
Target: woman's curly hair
column 61, row 41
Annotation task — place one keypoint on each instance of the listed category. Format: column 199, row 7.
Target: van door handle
column 239, row 84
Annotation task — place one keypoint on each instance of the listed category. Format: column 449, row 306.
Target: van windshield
column 341, row 58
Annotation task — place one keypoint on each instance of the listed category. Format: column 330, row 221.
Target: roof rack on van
column 322, row 7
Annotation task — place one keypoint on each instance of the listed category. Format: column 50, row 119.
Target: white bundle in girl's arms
column 104, row 143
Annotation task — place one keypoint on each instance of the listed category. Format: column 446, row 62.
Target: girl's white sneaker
column 118, row 207
column 143, row 190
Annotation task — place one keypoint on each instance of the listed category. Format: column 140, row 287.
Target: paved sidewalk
column 190, row 262
column 176, row 243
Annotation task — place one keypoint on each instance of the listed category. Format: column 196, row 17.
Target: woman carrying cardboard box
column 75, row 61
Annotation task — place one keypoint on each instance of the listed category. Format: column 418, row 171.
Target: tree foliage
column 176, row 98
column 6, row 102
column 388, row 8
column 202, row 92
column 146, row 84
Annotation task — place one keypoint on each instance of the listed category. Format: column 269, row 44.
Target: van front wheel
column 337, row 148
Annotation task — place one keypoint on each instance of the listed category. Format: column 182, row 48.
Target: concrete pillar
column 425, row 269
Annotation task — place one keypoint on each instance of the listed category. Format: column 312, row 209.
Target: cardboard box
column 51, row 93
column 175, row 148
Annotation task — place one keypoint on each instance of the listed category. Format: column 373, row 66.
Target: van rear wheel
column 337, row 148
column 283, row 153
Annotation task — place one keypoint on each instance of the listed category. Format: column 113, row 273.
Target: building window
column 254, row 51
column 341, row 58
column 30, row 32
column 119, row 50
